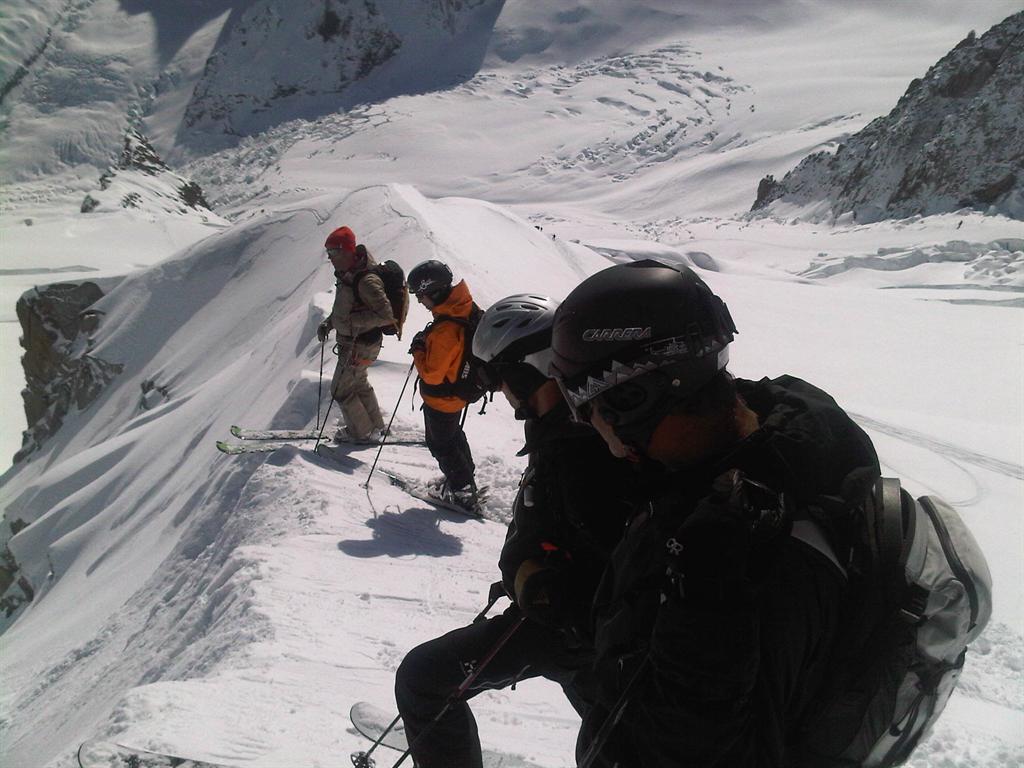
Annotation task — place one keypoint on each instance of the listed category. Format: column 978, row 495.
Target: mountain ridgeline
column 954, row 140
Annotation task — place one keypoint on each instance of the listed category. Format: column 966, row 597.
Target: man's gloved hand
column 323, row 330
column 710, row 552
column 548, row 593
column 419, row 342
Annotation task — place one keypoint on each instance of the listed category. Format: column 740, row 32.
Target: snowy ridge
column 226, row 328
column 233, row 608
column 285, row 584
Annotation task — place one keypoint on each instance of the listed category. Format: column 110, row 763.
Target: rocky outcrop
column 954, row 140
column 61, row 373
column 15, row 588
column 139, row 178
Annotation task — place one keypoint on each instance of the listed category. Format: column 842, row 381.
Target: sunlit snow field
column 233, row 608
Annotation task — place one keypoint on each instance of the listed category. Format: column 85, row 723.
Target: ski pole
column 324, row 425
column 387, row 431
column 497, row 591
column 329, row 405
column 470, row 679
column 362, row 759
column 320, row 385
column 613, row 717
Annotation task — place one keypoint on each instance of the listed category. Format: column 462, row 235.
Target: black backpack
column 474, row 378
column 395, row 288
column 918, row 592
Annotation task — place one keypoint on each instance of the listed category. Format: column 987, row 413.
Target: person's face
column 341, row 260
column 618, row 449
column 512, row 399
column 423, row 299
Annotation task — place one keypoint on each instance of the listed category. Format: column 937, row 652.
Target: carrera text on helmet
column 617, row 334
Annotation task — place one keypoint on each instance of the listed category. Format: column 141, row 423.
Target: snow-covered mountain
column 232, row 608
column 276, row 61
column 955, row 140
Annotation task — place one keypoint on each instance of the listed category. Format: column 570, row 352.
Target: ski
column 255, row 445
column 274, row 434
column 234, row 449
column 107, row 754
column 419, row 490
column 389, row 441
column 340, row 454
column 371, row 721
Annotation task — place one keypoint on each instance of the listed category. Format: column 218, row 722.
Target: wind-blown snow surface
column 233, row 608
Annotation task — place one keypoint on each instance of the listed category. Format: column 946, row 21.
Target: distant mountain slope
column 955, row 140
column 283, row 60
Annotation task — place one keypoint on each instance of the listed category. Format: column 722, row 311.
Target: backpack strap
column 889, row 519
column 811, row 534
column 355, row 283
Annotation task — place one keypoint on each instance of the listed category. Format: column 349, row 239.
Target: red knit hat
column 343, row 238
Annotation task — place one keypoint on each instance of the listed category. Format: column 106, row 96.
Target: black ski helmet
column 635, row 340
column 431, row 277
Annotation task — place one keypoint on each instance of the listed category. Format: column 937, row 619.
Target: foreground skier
column 562, row 531
column 713, row 624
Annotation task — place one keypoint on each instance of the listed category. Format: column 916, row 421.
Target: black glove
column 323, row 330
column 419, row 342
column 543, row 598
column 711, row 551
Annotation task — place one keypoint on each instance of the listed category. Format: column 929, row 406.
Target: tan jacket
column 356, row 320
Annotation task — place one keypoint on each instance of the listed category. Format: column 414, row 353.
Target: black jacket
column 572, row 504
column 726, row 684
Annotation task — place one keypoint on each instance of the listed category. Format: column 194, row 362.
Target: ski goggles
column 617, row 404
column 627, row 393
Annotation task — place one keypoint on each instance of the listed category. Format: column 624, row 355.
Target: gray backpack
column 919, row 592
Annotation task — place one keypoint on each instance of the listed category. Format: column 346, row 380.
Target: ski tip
column 236, row 430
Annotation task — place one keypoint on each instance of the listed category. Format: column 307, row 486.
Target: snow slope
column 234, row 608
column 225, row 328
column 261, row 597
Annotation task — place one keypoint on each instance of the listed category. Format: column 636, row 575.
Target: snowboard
column 106, row 754
column 370, row 721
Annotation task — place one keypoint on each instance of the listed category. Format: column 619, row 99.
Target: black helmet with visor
column 636, row 340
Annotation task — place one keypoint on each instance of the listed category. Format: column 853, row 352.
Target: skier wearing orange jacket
column 437, row 352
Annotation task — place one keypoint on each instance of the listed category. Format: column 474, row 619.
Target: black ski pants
column 448, row 445
column 433, row 671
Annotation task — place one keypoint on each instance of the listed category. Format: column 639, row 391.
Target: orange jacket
column 439, row 363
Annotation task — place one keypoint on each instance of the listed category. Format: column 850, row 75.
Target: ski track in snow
column 1006, row 468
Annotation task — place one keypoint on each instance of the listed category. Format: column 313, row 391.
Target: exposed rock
column 140, row 179
column 60, row 372
column 954, row 140
column 139, row 154
column 768, row 189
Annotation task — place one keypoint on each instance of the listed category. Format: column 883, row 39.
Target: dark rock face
column 954, row 140
column 60, row 372
column 139, row 178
